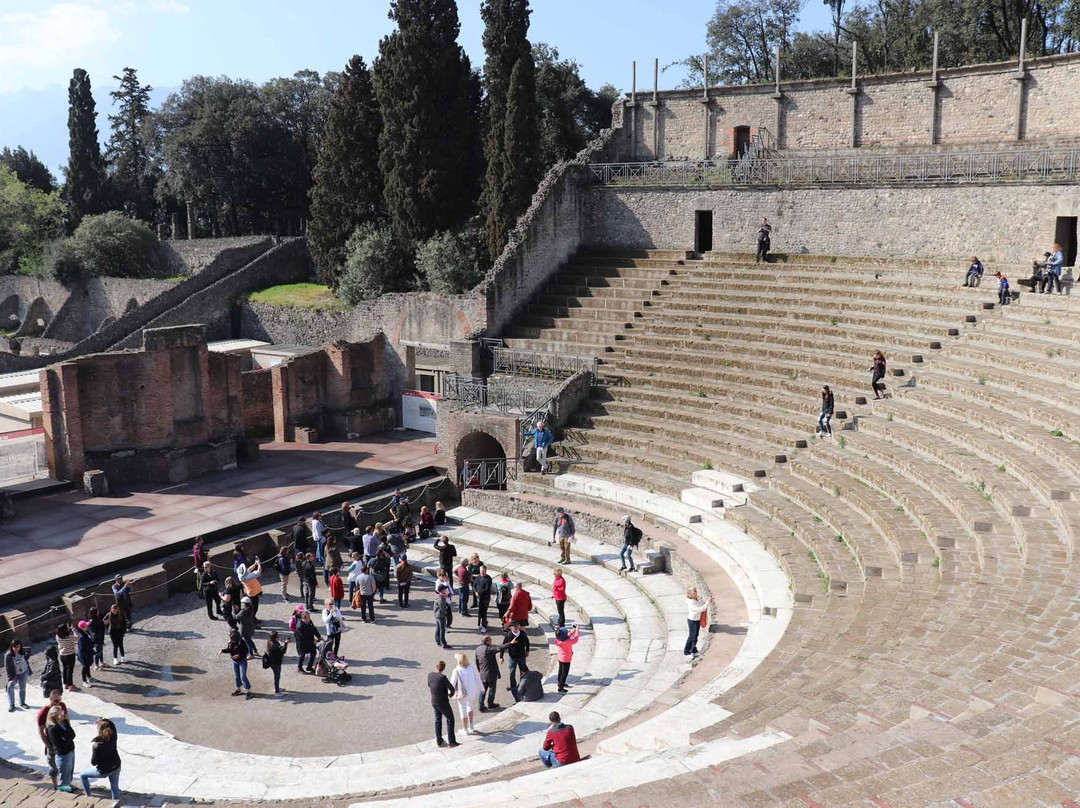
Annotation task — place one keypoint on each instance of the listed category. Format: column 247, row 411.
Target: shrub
column 61, row 262
column 374, row 265
column 451, row 263
column 114, row 245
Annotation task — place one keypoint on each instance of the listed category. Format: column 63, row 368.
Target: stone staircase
column 928, row 545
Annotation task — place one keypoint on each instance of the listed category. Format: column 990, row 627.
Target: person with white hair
column 542, row 439
column 467, row 687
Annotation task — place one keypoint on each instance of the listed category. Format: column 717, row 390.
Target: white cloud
column 43, row 47
column 170, row 7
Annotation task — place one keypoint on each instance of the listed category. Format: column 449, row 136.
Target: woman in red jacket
column 337, row 587
column 558, row 593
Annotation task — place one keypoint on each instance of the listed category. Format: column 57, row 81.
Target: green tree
column 28, row 168
column 452, row 263
column 111, row 244
column 85, row 186
column 128, row 153
column 569, row 114
column 29, row 219
column 348, row 186
column 374, row 265
column 428, row 148
column 521, row 163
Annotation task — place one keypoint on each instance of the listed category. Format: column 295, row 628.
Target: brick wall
column 1001, row 223
column 257, row 402
column 975, row 104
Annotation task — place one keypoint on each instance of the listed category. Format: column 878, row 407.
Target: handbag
column 704, row 620
column 266, row 660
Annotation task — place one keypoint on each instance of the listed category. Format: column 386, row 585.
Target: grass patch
column 836, row 490
column 982, row 380
column 824, row 580
column 793, row 376
column 832, row 321
column 1001, row 468
column 839, row 538
column 698, row 393
column 841, row 442
column 1057, row 433
column 817, row 519
column 707, row 465
column 888, row 416
column 811, row 556
column 299, row 295
column 937, row 561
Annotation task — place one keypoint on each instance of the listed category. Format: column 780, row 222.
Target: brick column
column 465, row 357
column 279, row 378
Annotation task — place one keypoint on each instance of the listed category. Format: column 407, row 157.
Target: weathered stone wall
column 974, row 104
column 99, row 301
column 183, row 257
column 1002, row 223
column 257, row 400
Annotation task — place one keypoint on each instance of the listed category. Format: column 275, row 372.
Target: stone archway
column 469, row 454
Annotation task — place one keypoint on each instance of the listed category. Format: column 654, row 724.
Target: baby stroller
column 331, row 667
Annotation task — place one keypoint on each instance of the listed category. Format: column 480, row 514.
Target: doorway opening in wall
column 702, row 231
column 742, row 140
column 1065, row 235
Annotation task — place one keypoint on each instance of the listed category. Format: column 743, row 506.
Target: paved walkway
column 70, row 532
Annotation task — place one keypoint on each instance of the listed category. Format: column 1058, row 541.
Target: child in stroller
column 331, row 667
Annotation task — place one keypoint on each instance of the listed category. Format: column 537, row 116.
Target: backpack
column 531, row 687
column 266, row 660
column 635, row 535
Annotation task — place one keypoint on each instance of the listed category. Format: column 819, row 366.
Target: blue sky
column 41, row 41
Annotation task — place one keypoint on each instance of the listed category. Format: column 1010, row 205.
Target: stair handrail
column 542, row 364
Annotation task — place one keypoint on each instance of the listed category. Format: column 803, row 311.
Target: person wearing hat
column 122, row 597
column 84, row 651
column 542, row 439
column 565, row 640
column 249, row 580
column 245, row 622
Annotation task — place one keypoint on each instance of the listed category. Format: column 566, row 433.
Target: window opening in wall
column 1065, row 235
column 742, row 140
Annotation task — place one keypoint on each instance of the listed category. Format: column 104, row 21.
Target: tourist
column 84, row 651
column 67, row 643
column 332, row 621
column 53, row 699
column 17, row 668
column 233, row 592
column 301, row 537
column 764, row 241
column 427, row 522
column 487, row 665
column 122, row 597
column 399, row 509
column 51, row 676
column 318, row 530
column 117, row 626
column 245, row 623
column 516, row 643
column 468, row 687
column 631, row 538
column 396, row 546
column 974, row 273
column 560, row 743
column 1040, row 275
column 380, row 571
column 441, row 610
column 238, row 651
column 199, row 554
column 104, row 758
column 504, row 591
column 447, row 552
column 249, row 580
column 824, row 421
column 337, row 587
column 482, row 586
column 564, row 652
column 558, row 594
column 97, row 629
column 306, row 638
column 348, row 521
column 696, row 611
column 440, row 514
column 356, row 566
column 333, row 556
column 239, row 559
column 229, row 609
column 273, row 656
column 206, row 583
column 563, row 530
column 464, row 581
column 284, row 567
column 365, row 587
column 371, row 542
column 877, row 371
column 62, row 741
column 441, row 690
column 542, row 440
column 309, row 581
column 1004, row 298
column 520, row 605
column 403, row 572
column 1053, row 270
column 474, row 566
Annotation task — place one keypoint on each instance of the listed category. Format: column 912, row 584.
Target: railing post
column 1019, row 77
column 853, row 91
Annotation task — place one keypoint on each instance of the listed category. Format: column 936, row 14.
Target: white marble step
column 723, row 483
column 705, row 499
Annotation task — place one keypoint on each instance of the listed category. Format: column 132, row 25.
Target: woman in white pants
column 468, row 687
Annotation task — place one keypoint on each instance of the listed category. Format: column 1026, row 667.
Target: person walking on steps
column 631, row 538
column 764, row 241
column 877, row 373
column 441, row 692
column 563, row 531
column 696, row 614
column 824, row 421
column 542, row 440
column 564, row 652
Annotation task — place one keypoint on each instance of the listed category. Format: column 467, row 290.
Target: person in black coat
column 51, row 676
column 301, row 537
column 516, row 643
column 208, row 588
column 482, row 586
column 306, row 638
column 447, row 553
column 487, row 665
column 441, row 691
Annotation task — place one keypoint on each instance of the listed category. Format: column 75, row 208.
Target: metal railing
column 488, row 472
column 528, row 423
column 1059, row 165
column 541, row 364
column 463, row 392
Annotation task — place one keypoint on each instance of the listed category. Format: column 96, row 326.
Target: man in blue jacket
column 1053, row 269
column 542, row 438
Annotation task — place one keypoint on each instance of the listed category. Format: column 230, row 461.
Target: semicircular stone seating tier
column 626, row 672
column 931, row 656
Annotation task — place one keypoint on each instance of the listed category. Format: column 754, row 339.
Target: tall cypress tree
column 506, row 29
column 128, row 153
column 85, row 174
column 348, row 186
column 424, row 84
column 521, row 142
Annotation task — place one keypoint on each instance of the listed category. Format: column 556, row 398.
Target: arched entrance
column 481, row 461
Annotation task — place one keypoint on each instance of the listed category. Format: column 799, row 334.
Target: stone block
column 96, row 483
column 307, row 434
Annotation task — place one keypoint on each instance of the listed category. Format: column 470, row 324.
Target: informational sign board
column 419, row 410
